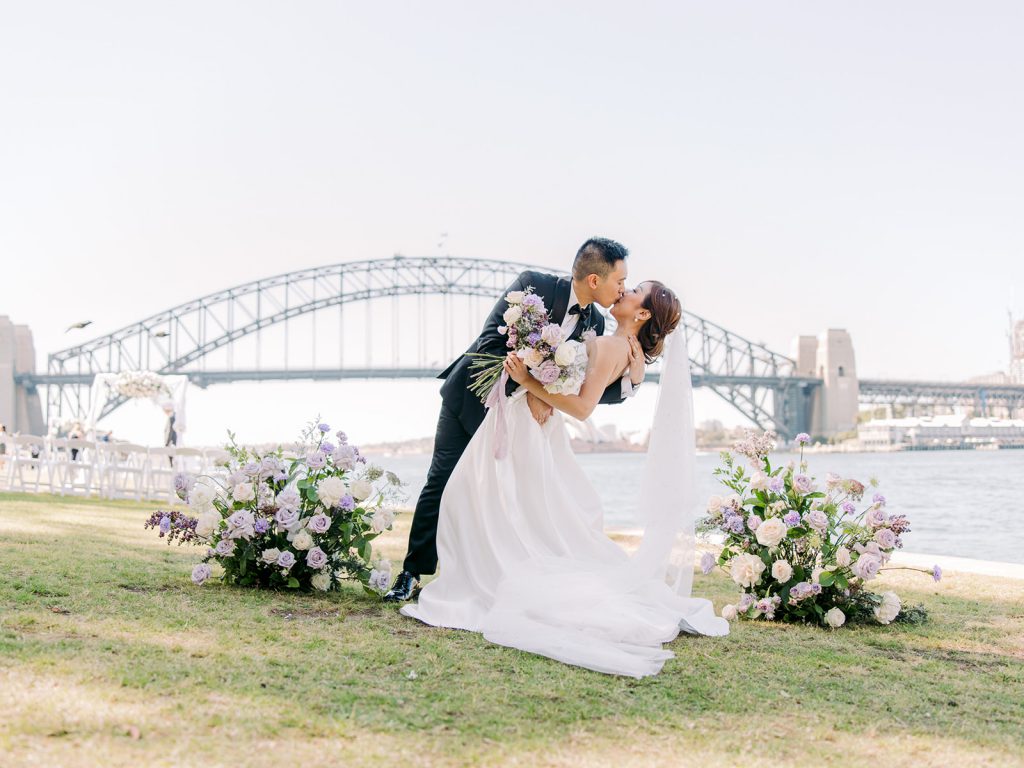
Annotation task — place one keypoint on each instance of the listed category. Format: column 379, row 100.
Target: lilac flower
column 878, row 499
column 746, row 600
column 326, row 447
column 533, row 339
column 936, row 573
column 532, row 300
column 262, row 525
column 342, row 437
column 707, row 563
column 791, row 518
column 325, row 428
column 777, row 484
column 347, row 502
column 849, row 508
column 803, row 438
column 165, row 525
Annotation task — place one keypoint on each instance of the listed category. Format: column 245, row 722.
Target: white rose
column 843, row 557
column 515, row 297
column 734, row 501
column 321, row 581
column 270, row 555
column 565, row 354
column 759, row 481
column 512, row 315
column 382, row 520
column 715, row 504
column 746, row 569
column 835, row 618
column 729, row 612
column 889, row 609
column 200, row 498
column 243, row 492
column 208, row 523
column 771, row 532
column 361, row 489
column 330, row 490
column 302, row 540
column 782, row 571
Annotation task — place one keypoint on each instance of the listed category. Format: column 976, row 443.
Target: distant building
column 951, row 431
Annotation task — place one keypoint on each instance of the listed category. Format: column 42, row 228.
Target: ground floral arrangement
column 801, row 554
column 303, row 523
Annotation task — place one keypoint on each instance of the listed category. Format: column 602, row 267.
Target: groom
column 598, row 275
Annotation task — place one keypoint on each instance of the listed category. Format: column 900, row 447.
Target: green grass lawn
column 110, row 656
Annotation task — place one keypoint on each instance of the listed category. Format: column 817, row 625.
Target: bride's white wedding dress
column 525, row 561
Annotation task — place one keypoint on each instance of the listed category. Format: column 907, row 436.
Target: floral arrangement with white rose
column 552, row 359
column 304, row 523
column 801, row 554
column 139, row 384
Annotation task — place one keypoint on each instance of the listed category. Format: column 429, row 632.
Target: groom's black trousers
column 449, row 444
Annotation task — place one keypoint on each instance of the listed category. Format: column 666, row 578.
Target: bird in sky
column 161, row 334
column 80, row 325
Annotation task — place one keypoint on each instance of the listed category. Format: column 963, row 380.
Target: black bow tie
column 583, row 312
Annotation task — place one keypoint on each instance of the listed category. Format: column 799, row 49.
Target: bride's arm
column 603, row 364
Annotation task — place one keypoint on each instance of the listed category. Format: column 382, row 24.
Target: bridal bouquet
column 304, row 522
column 552, row 359
column 802, row 554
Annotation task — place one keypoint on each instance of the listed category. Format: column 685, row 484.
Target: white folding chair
column 123, row 469
column 30, row 459
column 80, row 476
column 160, row 473
column 59, row 458
column 188, row 460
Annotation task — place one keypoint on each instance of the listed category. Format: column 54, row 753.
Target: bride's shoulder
column 607, row 345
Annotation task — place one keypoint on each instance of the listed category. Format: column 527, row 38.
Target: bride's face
column 631, row 303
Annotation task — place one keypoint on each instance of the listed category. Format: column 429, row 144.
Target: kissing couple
column 513, row 519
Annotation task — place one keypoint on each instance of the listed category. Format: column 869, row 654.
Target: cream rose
column 759, row 481
column 270, row 555
column 330, row 490
column 515, row 297
column 321, row 581
column 302, row 540
column 782, row 571
column 532, row 357
column 715, row 504
column 771, row 532
column 200, row 498
column 243, row 492
column 361, row 489
column 512, row 314
column 843, row 557
column 889, row 609
column 746, row 569
column 729, row 612
column 208, row 523
column 835, row 618
column 566, row 354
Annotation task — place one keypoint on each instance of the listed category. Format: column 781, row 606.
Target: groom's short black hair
column 597, row 256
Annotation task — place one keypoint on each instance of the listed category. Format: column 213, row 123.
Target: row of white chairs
column 69, row 466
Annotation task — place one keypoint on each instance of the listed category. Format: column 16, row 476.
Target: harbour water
column 960, row 503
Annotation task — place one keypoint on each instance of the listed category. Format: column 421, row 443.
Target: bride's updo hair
column 666, row 311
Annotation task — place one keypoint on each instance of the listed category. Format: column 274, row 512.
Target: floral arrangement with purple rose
column 304, row 523
column 552, row 359
column 801, row 554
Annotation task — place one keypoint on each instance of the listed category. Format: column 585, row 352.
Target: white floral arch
column 139, row 385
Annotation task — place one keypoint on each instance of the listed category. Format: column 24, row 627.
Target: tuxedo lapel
column 560, row 305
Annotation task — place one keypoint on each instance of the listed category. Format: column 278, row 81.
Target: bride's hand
column 516, row 368
column 541, row 411
column 637, row 367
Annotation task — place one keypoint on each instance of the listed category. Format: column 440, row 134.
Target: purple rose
column 803, row 483
column 791, row 518
column 936, row 573
column 347, row 502
column 886, row 539
column 316, row 558
column 707, row 563
column 183, row 484
column 548, row 373
column 200, row 573
column 286, row 559
column 803, row 438
column 319, row 523
column 225, row 547
column 251, row 469
column 753, row 522
column 316, row 460
column 876, row 517
column 326, row 447
column 866, row 567
column 325, row 428
column 262, row 525
column 818, row 520
column 287, row 517
column 289, row 499
column 777, row 484
column 344, row 456
column 236, row 477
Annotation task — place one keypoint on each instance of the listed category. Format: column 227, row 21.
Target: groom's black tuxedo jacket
column 555, row 293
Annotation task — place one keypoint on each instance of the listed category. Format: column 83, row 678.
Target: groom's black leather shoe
column 406, row 586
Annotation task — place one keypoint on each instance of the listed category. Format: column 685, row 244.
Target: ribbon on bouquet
column 496, row 401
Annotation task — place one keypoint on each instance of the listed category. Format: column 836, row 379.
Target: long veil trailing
column 612, row 612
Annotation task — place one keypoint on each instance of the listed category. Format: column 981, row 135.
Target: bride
column 524, row 558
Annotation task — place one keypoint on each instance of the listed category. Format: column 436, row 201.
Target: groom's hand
column 637, row 366
column 541, row 411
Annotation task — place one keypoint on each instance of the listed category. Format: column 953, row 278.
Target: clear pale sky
column 788, row 166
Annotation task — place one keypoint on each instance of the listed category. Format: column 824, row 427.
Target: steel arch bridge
column 758, row 382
